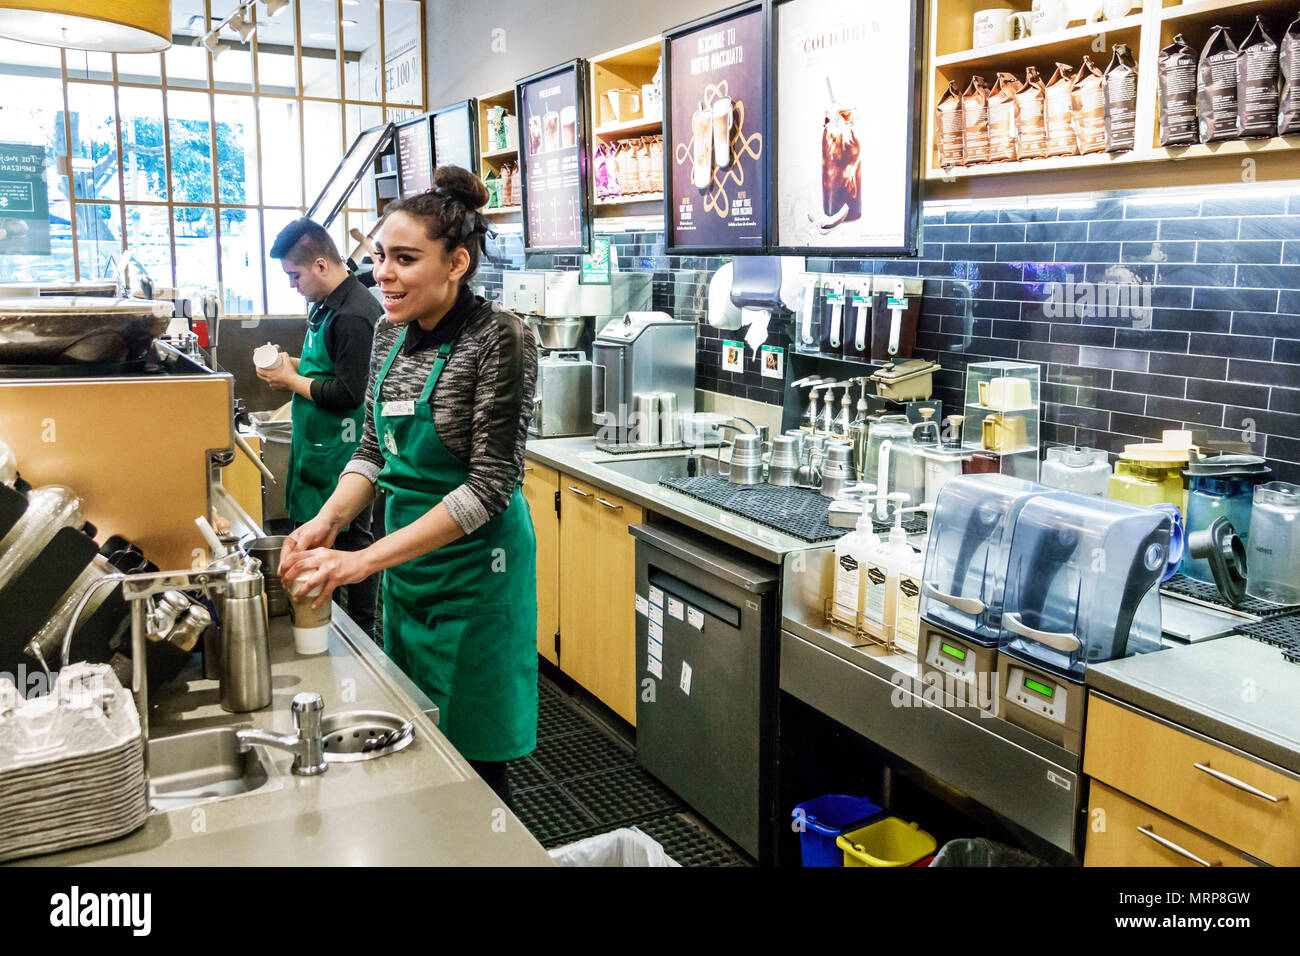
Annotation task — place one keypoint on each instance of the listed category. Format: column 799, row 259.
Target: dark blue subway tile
column 1288, row 350
column 1242, row 250
column 1177, row 409
column 1262, row 421
column 1113, row 359
column 1046, row 352
column 1078, row 375
column 997, row 232
column 1151, row 340
column 1139, row 383
column 1056, row 232
column 1191, row 320
column 1087, row 251
column 1026, row 252
column 1289, row 301
column 1196, row 274
column 1243, row 206
column 968, row 216
column 1142, row 426
column 1191, row 366
column 974, row 252
column 1171, row 297
column 1059, row 272
column 1237, row 393
column 1123, row 230
column 1083, row 335
column 1291, row 253
column 1237, row 300
column 1285, row 400
column 1129, row 403
column 1023, row 331
column 853, row 267
column 1102, row 209
column 1268, row 277
column 995, row 309
column 996, row 271
column 1158, row 252
column 897, row 267
column 1126, row 274
column 1271, row 227
column 1144, row 208
column 932, row 215
column 1284, row 470
column 1022, row 291
column 1285, row 449
column 939, row 234
column 1028, row 214
column 935, row 267
column 1231, row 346
column 1199, row 228
column 1263, row 373
column 998, row 348
column 1293, row 207
column 1266, row 323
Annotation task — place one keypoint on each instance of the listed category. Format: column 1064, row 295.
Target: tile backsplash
column 1148, row 310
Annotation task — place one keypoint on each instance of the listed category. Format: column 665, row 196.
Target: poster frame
column 471, row 117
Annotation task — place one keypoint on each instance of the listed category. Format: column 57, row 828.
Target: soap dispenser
column 850, row 555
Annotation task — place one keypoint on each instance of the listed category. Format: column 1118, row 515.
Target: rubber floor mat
column 551, row 815
column 556, row 719
column 524, row 774
column 622, row 797
column 690, row 844
column 580, row 755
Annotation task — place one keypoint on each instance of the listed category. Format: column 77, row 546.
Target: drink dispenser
column 1082, row 587
column 1221, row 486
column 833, row 316
column 965, row 574
column 857, row 322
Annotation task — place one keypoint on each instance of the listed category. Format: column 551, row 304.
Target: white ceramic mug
column 990, row 27
column 1089, row 11
column 1048, row 16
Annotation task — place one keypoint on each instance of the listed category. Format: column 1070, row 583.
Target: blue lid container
column 822, row 820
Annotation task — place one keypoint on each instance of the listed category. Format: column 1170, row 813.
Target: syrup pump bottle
column 857, row 434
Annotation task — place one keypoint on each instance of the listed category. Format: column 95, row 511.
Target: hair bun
column 461, row 185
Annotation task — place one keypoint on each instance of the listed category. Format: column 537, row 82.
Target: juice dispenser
column 1222, row 486
column 1082, row 587
column 1147, row 481
column 965, row 573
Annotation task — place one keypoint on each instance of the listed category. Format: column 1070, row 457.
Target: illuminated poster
column 717, row 127
column 453, row 136
column 24, row 206
column 553, row 160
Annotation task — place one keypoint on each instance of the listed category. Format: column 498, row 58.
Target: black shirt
column 448, row 327
column 348, row 338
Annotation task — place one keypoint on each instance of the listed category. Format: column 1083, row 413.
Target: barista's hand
column 328, row 568
column 316, row 533
column 281, row 377
column 292, row 360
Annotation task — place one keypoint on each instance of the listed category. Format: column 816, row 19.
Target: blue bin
column 826, row 818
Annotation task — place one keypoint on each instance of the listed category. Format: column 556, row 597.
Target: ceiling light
column 136, row 26
column 349, row 23
column 274, row 7
column 241, row 26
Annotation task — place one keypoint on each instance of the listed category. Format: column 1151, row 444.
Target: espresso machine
column 564, row 315
column 642, row 354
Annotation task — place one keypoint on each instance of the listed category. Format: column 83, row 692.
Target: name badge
column 397, row 409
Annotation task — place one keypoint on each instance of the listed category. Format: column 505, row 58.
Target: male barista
column 328, row 383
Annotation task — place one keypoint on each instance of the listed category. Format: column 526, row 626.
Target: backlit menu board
column 716, row 140
column 844, row 80
column 553, row 159
column 415, row 156
column 454, row 136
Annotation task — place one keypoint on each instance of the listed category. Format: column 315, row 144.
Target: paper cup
column 311, row 626
column 267, row 356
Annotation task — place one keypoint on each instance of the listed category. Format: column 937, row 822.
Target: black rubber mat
column 1281, row 632
column 798, row 512
column 622, row 797
column 580, row 755
column 551, row 815
column 525, row 774
column 1190, row 587
column 558, row 719
column 688, row 843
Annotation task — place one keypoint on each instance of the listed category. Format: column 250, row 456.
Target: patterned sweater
column 481, row 407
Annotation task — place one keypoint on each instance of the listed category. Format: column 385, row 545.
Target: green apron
column 323, row 441
column 461, row 621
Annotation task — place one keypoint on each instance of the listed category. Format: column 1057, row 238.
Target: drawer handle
column 1171, row 845
column 1239, row 784
column 611, row 507
column 528, row 468
column 577, row 491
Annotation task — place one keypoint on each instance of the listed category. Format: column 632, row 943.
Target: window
column 195, row 162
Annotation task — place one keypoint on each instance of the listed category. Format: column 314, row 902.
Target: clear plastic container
column 966, row 557
column 1072, row 468
column 1083, row 581
column 1147, row 483
column 1216, row 496
column 1273, row 562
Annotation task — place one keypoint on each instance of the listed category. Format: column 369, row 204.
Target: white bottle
column 850, row 554
column 907, row 615
column 884, row 564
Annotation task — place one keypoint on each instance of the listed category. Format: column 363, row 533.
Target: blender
column 1221, row 486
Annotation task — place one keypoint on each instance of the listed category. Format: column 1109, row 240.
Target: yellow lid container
column 887, row 842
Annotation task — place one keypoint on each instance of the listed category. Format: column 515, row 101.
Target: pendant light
column 111, row 26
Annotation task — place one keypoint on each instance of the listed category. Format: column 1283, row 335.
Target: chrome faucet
column 306, row 743
column 762, row 431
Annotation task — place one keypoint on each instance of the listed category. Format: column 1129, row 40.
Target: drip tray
column 364, row 735
column 1281, row 632
column 1183, row 586
column 798, row 512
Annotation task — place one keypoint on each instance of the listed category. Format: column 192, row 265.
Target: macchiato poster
column 716, row 159
column 551, row 157
column 844, row 86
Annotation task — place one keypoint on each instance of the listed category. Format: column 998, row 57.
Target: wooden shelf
column 632, row 127
column 629, row 200
column 500, row 154
column 1063, row 44
column 1211, row 8
column 1231, row 147
column 1037, row 165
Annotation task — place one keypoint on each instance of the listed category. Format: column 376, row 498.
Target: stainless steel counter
column 579, row 457
column 1235, row 689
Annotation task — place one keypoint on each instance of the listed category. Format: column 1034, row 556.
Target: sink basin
column 650, row 470
column 205, row 765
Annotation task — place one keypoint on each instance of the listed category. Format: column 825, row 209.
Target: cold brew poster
column 550, row 144
column 716, row 164
column 844, row 79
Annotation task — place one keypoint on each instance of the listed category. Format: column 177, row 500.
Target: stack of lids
column 71, row 764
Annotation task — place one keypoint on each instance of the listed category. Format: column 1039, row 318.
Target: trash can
column 887, row 842
column 822, row 821
column 981, row 852
column 625, row 847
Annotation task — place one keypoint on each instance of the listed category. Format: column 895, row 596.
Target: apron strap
column 388, row 362
column 434, row 374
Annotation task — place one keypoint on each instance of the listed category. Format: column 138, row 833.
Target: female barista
column 447, row 408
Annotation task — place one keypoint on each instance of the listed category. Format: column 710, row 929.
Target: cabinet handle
column 528, row 468
column 577, row 491
column 611, row 507
column 1171, row 845
column 1239, row 784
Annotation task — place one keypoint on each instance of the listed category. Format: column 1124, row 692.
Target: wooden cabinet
column 1207, row 787
column 541, row 485
column 1123, row 832
column 597, row 582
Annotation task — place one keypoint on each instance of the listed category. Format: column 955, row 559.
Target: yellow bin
column 887, row 842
